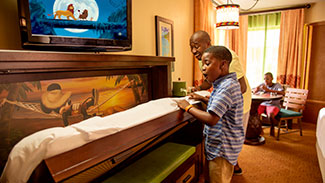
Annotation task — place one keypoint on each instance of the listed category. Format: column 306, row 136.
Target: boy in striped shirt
column 223, row 129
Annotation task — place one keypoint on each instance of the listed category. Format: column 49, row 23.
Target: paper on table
column 203, row 93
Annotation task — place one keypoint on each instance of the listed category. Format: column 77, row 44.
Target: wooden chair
column 294, row 103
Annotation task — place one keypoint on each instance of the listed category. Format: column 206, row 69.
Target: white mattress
column 320, row 130
column 321, row 161
column 320, row 141
column 30, row 151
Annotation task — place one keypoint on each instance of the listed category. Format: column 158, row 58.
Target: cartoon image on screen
column 106, row 19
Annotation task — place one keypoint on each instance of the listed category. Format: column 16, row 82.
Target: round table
column 265, row 96
column 254, row 137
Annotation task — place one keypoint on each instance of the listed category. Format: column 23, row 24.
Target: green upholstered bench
column 155, row 166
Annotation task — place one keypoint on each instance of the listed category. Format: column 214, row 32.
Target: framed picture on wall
column 164, row 37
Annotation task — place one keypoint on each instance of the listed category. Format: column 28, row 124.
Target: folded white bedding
column 100, row 127
column 31, row 150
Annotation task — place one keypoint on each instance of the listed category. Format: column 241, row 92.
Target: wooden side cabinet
column 187, row 172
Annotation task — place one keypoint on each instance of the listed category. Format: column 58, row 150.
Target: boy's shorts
column 220, row 170
column 269, row 110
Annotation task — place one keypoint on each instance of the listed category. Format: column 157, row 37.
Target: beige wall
column 143, row 25
column 315, row 13
column 181, row 12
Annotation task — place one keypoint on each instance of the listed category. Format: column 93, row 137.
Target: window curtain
column 204, row 19
column 291, row 48
column 236, row 39
column 308, row 32
column 263, row 45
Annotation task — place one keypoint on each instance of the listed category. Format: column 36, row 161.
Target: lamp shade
column 228, row 16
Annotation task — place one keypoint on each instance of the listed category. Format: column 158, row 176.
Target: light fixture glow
column 228, row 16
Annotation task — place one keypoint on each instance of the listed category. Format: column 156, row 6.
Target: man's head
column 199, row 41
column 216, row 60
column 268, row 78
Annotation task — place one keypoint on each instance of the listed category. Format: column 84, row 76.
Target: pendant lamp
column 227, row 16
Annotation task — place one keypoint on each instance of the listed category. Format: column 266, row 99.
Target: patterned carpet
column 292, row 159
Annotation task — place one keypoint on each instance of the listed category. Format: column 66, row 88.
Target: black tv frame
column 58, row 43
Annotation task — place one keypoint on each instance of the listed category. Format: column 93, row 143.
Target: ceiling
column 266, row 4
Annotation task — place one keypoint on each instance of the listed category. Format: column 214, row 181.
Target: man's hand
column 196, row 96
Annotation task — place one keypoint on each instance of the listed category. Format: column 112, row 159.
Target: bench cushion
column 155, row 166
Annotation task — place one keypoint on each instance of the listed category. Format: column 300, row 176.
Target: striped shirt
column 277, row 87
column 226, row 138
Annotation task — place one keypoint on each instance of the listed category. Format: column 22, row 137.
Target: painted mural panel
column 28, row 107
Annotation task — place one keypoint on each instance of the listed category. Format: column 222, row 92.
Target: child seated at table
column 271, row 107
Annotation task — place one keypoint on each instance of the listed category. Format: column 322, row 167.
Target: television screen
column 101, row 25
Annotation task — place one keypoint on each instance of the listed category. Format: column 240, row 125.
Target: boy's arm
column 258, row 88
column 280, row 92
column 205, row 117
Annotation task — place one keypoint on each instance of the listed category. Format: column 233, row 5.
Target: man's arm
column 243, row 86
column 204, row 86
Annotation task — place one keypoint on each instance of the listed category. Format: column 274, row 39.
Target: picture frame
column 164, row 37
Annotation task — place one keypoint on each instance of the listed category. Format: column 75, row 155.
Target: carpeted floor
column 292, row 159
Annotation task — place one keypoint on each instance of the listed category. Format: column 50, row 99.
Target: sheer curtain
column 262, row 46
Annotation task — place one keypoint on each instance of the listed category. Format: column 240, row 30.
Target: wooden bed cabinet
column 102, row 157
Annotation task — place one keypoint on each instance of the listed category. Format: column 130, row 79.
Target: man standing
column 200, row 41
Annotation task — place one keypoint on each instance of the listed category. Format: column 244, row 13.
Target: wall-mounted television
column 76, row 25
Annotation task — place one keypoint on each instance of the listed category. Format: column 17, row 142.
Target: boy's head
column 199, row 41
column 216, row 60
column 268, row 78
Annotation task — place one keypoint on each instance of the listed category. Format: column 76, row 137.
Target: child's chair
column 294, row 102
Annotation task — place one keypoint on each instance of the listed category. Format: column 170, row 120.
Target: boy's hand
column 257, row 89
column 182, row 104
column 265, row 88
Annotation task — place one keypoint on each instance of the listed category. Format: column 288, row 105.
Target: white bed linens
column 320, row 130
column 30, row 151
column 320, row 141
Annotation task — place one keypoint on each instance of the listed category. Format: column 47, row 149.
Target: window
column 262, row 47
